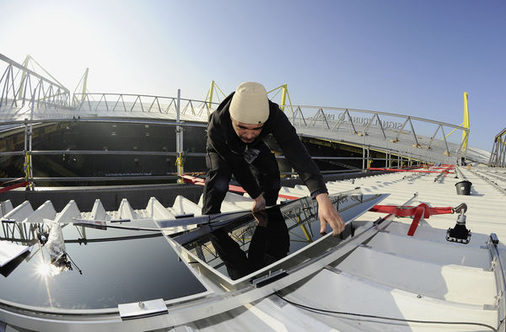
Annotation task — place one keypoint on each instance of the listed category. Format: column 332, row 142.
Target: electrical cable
column 405, row 320
column 72, row 262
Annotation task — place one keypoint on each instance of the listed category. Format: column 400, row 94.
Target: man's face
column 246, row 132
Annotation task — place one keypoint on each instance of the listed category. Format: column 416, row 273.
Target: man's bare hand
column 329, row 215
column 261, row 218
column 259, row 203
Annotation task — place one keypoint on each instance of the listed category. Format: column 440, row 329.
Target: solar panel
column 252, row 245
column 93, row 269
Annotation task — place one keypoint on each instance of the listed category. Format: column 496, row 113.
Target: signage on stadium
column 357, row 120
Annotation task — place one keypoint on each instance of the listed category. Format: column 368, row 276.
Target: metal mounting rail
column 489, row 181
column 499, row 271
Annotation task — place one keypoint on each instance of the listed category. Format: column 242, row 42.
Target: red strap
column 288, row 196
column 233, row 188
column 417, row 212
column 193, row 179
column 409, row 170
column 408, row 211
column 434, row 169
column 14, row 186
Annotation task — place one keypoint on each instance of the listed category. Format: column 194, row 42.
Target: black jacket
column 222, row 139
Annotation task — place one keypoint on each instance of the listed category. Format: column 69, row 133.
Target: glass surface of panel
column 241, row 247
column 92, row 268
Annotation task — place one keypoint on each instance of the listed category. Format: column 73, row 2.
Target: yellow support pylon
column 465, row 124
column 284, row 96
column 83, row 82
column 210, row 94
column 27, row 167
column 26, row 63
column 180, row 167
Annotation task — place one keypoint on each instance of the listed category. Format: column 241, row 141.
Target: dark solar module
column 94, row 269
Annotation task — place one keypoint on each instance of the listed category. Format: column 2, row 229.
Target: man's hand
column 261, row 218
column 259, row 203
column 329, row 215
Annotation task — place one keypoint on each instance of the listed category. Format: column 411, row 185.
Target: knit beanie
column 250, row 104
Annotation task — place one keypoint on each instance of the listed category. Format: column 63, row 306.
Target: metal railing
column 120, row 104
column 401, row 139
column 498, row 155
column 20, row 86
column 413, row 136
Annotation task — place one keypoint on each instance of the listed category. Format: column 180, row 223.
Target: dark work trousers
column 265, row 171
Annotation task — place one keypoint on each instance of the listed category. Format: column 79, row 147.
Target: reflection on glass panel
column 74, row 267
column 261, row 242
column 241, row 246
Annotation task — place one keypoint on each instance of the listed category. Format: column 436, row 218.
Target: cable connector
column 459, row 233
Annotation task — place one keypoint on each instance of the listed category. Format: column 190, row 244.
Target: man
column 235, row 146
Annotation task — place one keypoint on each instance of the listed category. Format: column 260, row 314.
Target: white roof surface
column 389, row 281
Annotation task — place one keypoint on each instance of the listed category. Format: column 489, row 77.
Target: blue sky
column 401, row 56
